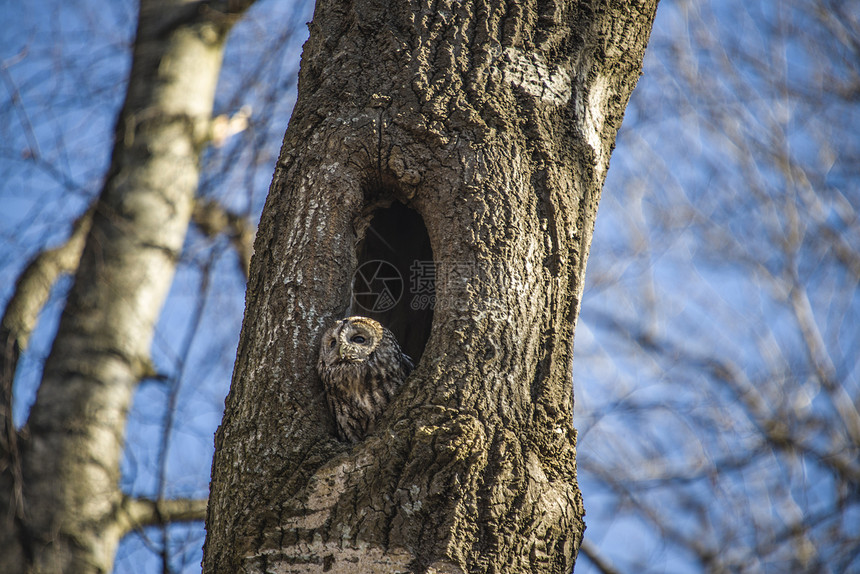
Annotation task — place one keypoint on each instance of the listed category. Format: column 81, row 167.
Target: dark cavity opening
column 395, row 279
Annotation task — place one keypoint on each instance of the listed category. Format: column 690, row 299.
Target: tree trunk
column 62, row 509
column 492, row 123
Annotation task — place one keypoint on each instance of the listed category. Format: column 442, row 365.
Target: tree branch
column 140, row 512
column 212, row 219
column 596, row 558
column 34, row 286
column 821, row 361
column 29, row 297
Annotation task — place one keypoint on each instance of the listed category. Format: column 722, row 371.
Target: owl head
column 350, row 340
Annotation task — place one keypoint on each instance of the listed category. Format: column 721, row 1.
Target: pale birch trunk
column 62, row 509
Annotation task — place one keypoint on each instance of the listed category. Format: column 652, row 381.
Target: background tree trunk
column 493, row 124
column 62, row 509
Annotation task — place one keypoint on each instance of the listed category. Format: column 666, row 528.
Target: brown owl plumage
column 361, row 367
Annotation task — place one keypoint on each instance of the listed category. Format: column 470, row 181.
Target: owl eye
column 358, row 339
column 331, row 344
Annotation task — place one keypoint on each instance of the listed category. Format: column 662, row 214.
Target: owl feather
column 361, row 367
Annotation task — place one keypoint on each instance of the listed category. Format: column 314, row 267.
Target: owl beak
column 344, row 354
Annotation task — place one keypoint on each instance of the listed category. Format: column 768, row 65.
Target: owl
column 361, row 367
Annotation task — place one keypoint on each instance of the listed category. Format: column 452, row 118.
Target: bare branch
column 822, row 363
column 597, row 559
column 31, row 293
column 223, row 127
column 140, row 512
column 34, row 286
column 213, row 219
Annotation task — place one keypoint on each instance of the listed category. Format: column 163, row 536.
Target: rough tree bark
column 493, row 122
column 61, row 508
